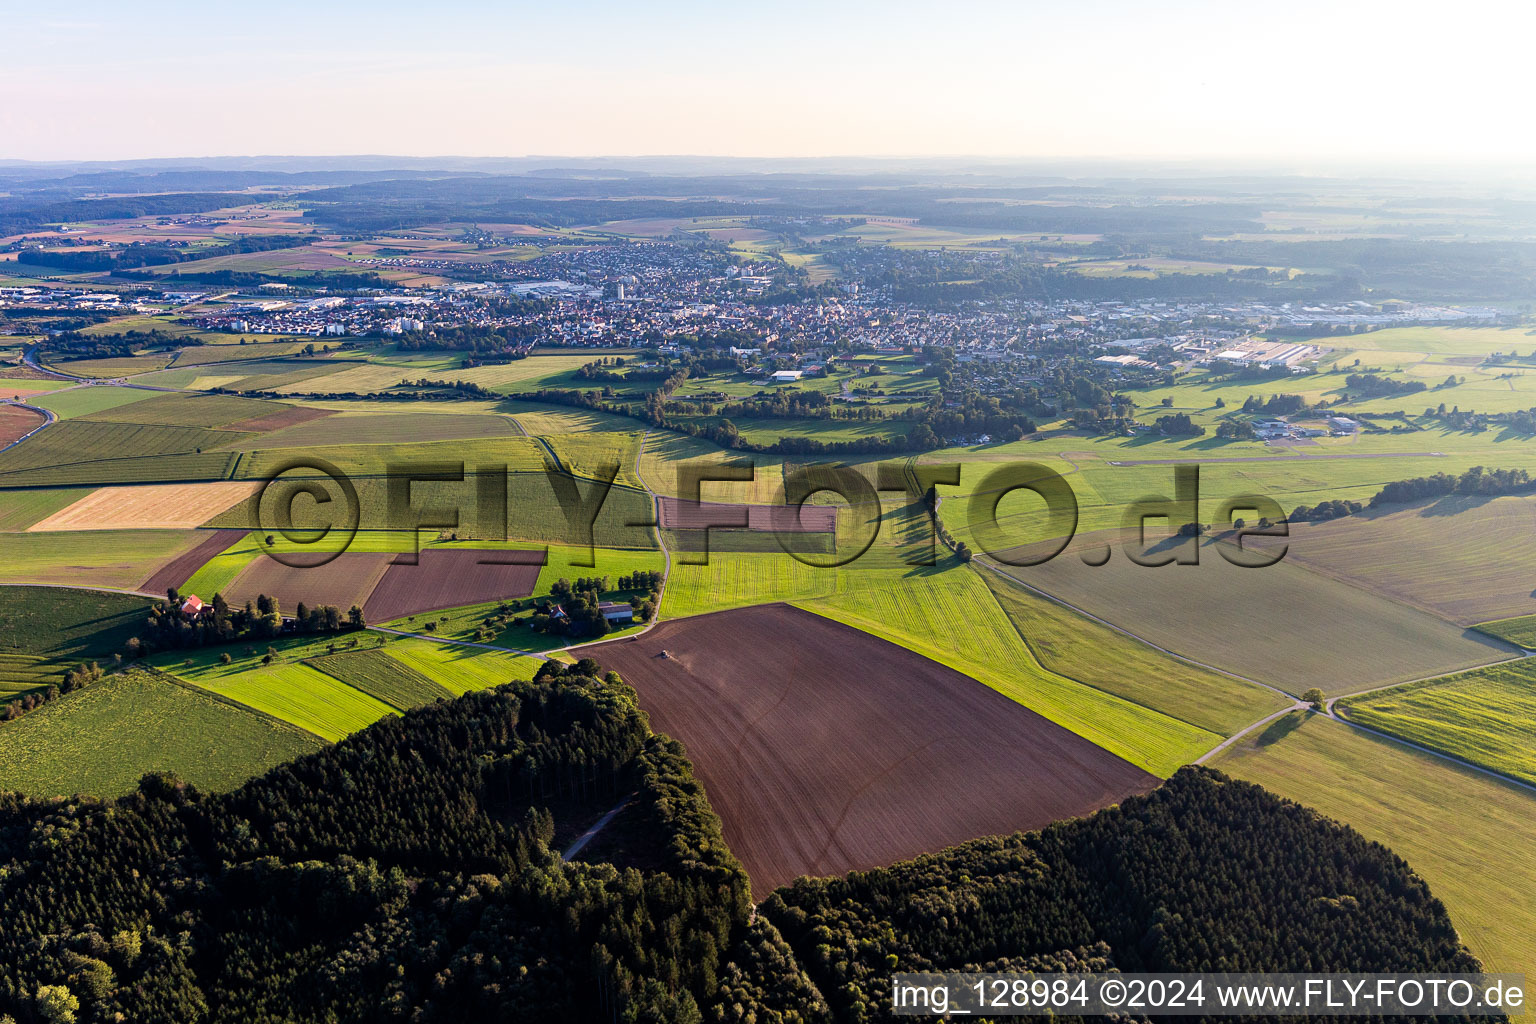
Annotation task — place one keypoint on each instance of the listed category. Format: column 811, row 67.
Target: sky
column 1306, row 84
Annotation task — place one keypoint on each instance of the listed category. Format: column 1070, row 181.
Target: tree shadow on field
column 1280, row 728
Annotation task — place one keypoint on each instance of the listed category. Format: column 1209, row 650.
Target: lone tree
column 1316, row 698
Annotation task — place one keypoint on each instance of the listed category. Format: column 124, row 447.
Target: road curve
column 48, row 420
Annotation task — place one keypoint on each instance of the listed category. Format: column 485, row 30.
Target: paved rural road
column 1277, row 458
column 586, row 837
column 655, row 618
column 666, row 571
column 1224, row 744
column 29, row 357
column 1442, row 755
column 48, row 419
column 559, row 466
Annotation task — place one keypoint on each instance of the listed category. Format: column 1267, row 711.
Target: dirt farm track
column 825, row 749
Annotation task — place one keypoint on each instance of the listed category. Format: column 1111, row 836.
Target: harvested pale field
column 289, row 416
column 344, row 581
column 16, row 423
column 825, row 749
column 1467, row 559
column 441, row 578
column 180, row 569
column 682, row 514
column 149, row 507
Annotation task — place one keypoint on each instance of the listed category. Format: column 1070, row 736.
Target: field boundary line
column 1035, row 653
column 85, row 586
column 49, row 419
column 541, row 655
column 219, row 698
column 1125, row 632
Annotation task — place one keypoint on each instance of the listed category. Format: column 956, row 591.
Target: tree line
column 169, row 627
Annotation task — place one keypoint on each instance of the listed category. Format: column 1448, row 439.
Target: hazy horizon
column 1363, row 85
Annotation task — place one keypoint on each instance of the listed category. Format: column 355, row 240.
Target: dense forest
column 1203, row 874
column 21, row 213
column 406, row 873
column 149, row 254
column 409, row 873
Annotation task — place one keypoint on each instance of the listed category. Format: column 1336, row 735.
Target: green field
column 1079, row 648
column 461, row 669
column 205, row 355
column 395, row 424
column 558, row 419
column 116, row 559
column 46, row 630
column 1521, row 630
column 117, row 366
column 1469, row 836
column 1282, row 624
column 141, row 323
column 188, row 410
column 287, row 689
column 585, row 454
column 21, row 509
column 922, row 613
column 529, row 374
column 737, row 579
column 255, row 375
column 82, row 401
column 373, row 458
column 378, row 675
column 99, row 741
column 1486, row 716
column 216, row 574
column 80, row 451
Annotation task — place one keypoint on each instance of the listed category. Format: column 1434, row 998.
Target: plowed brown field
column 825, row 749
column 290, row 417
column 16, row 423
column 452, row 577
column 346, row 580
column 180, row 569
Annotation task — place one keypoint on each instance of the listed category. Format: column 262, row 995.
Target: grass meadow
column 1469, row 836
column 1466, row 559
column 1091, row 653
column 287, row 688
column 1520, row 630
column 1486, row 716
column 116, row 559
column 84, row 401
column 99, row 741
column 20, row 509
column 925, row 614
